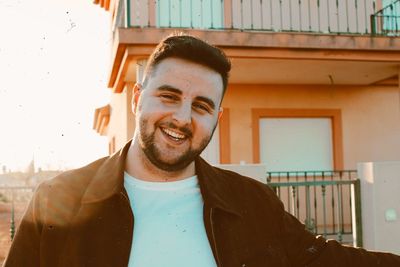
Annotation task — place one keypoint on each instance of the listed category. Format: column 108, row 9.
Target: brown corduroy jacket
column 83, row 218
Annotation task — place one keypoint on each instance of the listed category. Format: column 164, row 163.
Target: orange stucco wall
column 370, row 117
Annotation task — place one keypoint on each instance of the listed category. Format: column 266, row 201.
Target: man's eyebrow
column 169, row 88
column 206, row 100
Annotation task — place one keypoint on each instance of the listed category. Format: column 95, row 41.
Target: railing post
column 309, row 222
column 373, row 25
column 271, row 17
column 294, row 211
column 365, row 17
column 290, row 14
column 288, row 193
column 324, row 209
column 357, row 203
column 128, row 13
column 356, row 7
column 309, row 16
column 337, row 16
column 261, row 15
column 169, row 14
column 241, row 15
column 12, row 226
column 228, row 22
column 152, row 12
column 340, row 213
column 319, row 16
column 347, row 16
column 333, row 203
column 315, row 205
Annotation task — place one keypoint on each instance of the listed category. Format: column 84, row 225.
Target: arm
column 304, row 249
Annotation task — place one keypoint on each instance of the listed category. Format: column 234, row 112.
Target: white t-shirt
column 168, row 224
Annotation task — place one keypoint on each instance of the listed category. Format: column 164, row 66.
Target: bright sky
column 54, row 60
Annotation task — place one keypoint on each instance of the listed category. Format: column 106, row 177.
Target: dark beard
column 154, row 155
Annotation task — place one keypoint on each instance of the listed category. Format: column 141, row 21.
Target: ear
column 221, row 110
column 137, row 90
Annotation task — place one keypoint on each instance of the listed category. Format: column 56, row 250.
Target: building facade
column 314, row 87
column 314, row 84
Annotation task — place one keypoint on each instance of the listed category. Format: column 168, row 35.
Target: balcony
column 341, row 42
column 356, row 17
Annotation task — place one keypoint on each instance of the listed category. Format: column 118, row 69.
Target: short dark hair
column 193, row 49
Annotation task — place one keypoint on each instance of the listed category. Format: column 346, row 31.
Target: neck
column 138, row 165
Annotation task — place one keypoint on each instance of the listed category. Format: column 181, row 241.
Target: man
column 157, row 203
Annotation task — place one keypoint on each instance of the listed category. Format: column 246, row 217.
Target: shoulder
column 72, row 181
column 55, row 200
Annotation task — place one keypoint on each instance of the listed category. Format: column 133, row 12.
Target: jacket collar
column 108, row 181
column 108, row 178
column 214, row 188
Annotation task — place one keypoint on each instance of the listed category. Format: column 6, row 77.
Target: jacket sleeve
column 304, row 249
column 25, row 247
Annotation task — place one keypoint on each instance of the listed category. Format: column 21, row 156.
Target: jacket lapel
column 101, row 232
column 219, row 208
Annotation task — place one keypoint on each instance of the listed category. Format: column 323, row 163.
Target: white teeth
column 173, row 134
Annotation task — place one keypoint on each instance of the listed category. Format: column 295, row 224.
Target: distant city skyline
column 54, row 57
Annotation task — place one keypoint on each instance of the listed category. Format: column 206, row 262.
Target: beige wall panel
column 121, row 121
column 240, row 131
column 130, row 118
column 370, row 116
column 373, row 124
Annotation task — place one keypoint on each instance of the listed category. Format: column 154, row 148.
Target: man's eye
column 169, row 97
column 201, row 107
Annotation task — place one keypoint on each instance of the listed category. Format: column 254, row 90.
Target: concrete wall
column 380, row 198
column 370, row 117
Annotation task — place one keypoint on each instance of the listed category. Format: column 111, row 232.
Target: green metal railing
column 14, row 200
column 309, row 16
column 387, row 20
column 327, row 202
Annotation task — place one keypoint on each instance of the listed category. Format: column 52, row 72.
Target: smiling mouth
column 178, row 137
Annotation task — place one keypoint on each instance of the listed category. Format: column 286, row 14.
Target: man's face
column 177, row 112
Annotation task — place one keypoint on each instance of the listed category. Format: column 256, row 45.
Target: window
column 296, row 144
column 297, row 139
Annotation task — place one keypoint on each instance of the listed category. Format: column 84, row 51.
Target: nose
column 183, row 114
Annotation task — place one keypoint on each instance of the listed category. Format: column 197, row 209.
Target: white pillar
column 380, row 205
